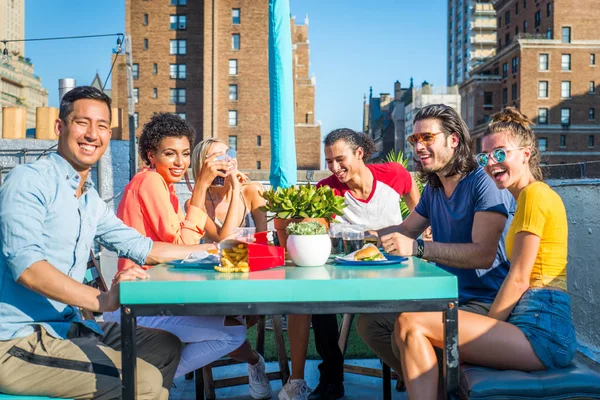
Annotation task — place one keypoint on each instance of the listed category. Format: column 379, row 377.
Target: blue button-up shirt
column 42, row 219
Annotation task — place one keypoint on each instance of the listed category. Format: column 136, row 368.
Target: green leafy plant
column 304, row 201
column 392, row 156
column 306, row 228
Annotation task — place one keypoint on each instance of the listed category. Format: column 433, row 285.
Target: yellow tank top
column 540, row 211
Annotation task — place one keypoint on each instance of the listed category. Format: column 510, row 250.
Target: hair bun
column 511, row 115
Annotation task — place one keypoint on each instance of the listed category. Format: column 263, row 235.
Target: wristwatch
column 420, row 248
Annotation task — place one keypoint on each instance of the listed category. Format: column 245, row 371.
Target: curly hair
column 463, row 161
column 160, row 126
column 353, row 139
column 512, row 120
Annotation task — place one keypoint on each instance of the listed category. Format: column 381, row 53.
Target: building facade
column 19, row 86
column 547, row 66
column 208, row 62
column 471, row 37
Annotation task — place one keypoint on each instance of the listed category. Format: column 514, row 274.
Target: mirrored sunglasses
column 498, row 155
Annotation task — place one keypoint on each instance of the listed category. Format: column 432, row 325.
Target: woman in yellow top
column 529, row 325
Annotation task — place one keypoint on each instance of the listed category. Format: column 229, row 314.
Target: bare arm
column 162, row 252
column 252, row 193
column 411, row 227
column 412, row 197
column 45, row 279
column 525, row 249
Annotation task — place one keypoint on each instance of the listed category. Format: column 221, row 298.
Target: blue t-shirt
column 452, row 222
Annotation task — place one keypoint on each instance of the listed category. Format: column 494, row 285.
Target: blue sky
column 354, row 44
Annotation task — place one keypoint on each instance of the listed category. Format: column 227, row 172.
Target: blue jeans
column 544, row 316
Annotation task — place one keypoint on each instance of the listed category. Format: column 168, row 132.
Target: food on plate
column 234, row 259
column 370, row 253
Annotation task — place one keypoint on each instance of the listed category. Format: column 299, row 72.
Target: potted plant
column 308, row 243
column 302, row 203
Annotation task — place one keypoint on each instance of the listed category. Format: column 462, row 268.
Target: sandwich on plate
column 368, row 253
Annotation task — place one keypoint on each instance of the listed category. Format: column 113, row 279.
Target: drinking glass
column 353, row 237
column 335, row 234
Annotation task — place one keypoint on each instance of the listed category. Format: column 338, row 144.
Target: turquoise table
column 412, row 286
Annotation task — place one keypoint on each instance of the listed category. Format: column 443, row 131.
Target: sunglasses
column 425, row 138
column 498, row 155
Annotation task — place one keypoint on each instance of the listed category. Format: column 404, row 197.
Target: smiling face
column 436, row 156
column 342, row 161
column 514, row 169
column 85, row 133
column 172, row 158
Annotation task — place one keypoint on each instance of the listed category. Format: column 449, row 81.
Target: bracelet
column 420, row 248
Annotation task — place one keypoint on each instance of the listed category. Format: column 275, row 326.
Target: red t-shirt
column 382, row 208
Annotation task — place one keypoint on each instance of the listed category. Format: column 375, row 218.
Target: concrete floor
column 357, row 387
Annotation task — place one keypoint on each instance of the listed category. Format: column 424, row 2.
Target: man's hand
column 130, row 274
column 399, row 245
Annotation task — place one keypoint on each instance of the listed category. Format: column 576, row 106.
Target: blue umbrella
column 281, row 86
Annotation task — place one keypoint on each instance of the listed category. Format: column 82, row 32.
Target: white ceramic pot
column 309, row 250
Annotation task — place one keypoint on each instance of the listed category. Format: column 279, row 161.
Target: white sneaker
column 294, row 390
column 260, row 387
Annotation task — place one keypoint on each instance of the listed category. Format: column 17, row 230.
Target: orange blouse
column 151, row 207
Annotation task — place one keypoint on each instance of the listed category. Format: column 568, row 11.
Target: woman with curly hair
column 151, row 206
column 528, row 327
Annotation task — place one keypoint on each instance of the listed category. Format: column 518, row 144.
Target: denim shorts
column 544, row 316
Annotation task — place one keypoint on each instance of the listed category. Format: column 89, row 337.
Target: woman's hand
column 236, row 178
column 211, row 168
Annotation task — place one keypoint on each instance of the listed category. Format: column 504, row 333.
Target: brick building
column 208, row 62
column 547, row 65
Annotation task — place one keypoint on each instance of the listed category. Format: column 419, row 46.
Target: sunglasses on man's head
column 425, row 138
column 498, row 155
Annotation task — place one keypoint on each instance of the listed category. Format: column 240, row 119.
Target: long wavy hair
column 462, row 161
column 512, row 120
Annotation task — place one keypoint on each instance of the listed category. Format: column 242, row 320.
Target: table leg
column 451, row 360
column 128, row 352
column 387, row 381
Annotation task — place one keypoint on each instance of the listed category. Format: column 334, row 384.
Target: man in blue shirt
column 50, row 214
column 468, row 215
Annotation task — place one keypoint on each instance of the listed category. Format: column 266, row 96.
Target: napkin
column 201, row 256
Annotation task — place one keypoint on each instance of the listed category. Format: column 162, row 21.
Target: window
column 592, row 114
column 136, row 119
column 538, row 19
column 258, row 165
column 504, row 96
column 135, row 70
column 145, row 19
column 566, row 34
column 177, row 96
column 565, row 89
column 155, row 93
column 506, row 39
column 542, row 116
column 514, row 93
column 517, row 8
column 178, row 47
column 543, row 62
column 504, row 70
column 178, row 2
column 235, row 16
column 507, row 17
column 154, row 69
column 542, row 144
column 591, row 141
column 565, row 62
column 516, row 31
column 548, row 9
column 233, row 92
column 178, row 22
column 549, row 33
column 515, row 64
column 592, row 87
column 232, row 142
column 565, row 116
column 177, row 71
column 136, row 97
column 235, row 41
column 499, row 21
column 524, row 3
column 233, row 67
column 563, row 140
column 488, row 99
column 233, row 118
column 524, row 26
column 592, row 59
column 180, row 115
column 543, row 89
column 145, row 44
column 258, row 140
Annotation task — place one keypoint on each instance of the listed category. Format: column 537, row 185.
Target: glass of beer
column 353, row 237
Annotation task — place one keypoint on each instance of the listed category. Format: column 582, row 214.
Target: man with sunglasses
column 469, row 217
